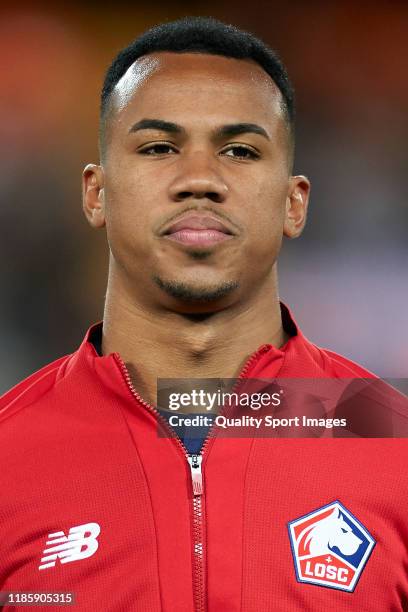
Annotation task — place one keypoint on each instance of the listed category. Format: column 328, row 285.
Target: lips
column 198, row 230
column 198, row 222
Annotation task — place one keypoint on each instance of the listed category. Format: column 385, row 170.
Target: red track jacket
column 94, row 502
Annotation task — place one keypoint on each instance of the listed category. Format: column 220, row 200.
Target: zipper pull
column 196, row 473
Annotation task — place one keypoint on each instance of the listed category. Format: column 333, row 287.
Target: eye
column 240, row 152
column 158, row 148
column 344, row 530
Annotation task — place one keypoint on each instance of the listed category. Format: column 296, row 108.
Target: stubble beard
column 196, row 295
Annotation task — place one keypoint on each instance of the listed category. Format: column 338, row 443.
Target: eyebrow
column 157, row 124
column 234, row 129
column 225, row 131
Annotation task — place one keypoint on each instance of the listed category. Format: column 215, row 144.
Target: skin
column 149, row 177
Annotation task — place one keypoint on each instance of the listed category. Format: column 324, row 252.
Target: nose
column 198, row 178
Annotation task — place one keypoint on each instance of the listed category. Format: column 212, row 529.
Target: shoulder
column 308, row 359
column 31, row 390
column 342, row 367
column 51, row 383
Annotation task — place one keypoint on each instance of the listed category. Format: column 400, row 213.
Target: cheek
column 128, row 203
column 267, row 219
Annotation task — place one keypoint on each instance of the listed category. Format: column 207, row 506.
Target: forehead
column 207, row 86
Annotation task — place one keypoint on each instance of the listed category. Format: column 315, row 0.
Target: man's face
column 177, row 152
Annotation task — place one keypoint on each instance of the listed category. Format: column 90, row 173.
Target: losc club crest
column 330, row 547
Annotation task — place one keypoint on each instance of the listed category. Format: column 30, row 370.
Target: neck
column 166, row 344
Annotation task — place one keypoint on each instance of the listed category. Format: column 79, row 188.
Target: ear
column 93, row 201
column 296, row 206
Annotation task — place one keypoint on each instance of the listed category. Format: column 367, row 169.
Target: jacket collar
column 296, row 358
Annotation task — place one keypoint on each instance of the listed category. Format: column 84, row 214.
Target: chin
column 196, row 295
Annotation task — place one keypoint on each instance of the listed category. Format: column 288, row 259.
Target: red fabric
column 76, row 447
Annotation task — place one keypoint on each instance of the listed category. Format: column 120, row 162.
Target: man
column 196, row 192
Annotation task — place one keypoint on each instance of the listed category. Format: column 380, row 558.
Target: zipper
column 197, row 482
column 199, row 586
column 194, row 462
column 248, row 365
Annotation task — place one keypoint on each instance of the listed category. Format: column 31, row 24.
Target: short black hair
column 201, row 35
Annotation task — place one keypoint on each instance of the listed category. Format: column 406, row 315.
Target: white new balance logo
column 80, row 543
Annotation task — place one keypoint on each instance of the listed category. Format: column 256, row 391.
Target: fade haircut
column 200, row 35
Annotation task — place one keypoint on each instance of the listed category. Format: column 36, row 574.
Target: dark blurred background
column 346, row 278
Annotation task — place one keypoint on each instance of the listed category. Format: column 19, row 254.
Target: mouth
column 198, row 231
